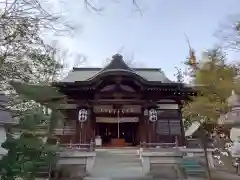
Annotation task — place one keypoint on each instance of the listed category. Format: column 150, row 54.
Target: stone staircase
column 117, row 164
column 191, row 167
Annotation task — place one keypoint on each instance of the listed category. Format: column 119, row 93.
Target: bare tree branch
column 91, row 6
column 229, row 33
column 139, row 10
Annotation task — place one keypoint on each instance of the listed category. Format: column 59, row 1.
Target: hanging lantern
column 152, row 115
column 82, row 115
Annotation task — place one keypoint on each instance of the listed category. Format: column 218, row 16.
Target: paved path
column 117, row 164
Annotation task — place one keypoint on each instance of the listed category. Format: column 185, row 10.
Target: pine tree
column 30, row 152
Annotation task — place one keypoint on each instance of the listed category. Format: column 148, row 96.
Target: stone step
column 132, row 178
column 96, row 178
column 119, row 178
column 117, row 164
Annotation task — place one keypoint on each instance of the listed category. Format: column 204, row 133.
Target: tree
column 214, row 80
column 28, row 153
column 228, row 33
column 22, row 23
column 31, row 151
column 92, row 6
column 24, row 55
column 179, row 75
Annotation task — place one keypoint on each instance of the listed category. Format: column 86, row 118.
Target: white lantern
column 82, row 115
column 152, row 115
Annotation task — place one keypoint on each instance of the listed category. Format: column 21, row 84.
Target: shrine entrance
column 113, row 133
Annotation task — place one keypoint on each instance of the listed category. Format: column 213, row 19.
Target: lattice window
column 169, row 113
column 169, row 126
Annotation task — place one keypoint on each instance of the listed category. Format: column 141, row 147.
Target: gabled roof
column 116, row 65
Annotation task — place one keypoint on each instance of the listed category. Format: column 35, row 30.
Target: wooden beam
column 115, row 115
column 118, row 101
column 122, row 94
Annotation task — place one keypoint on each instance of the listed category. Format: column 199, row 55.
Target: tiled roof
column 83, row 74
column 117, row 64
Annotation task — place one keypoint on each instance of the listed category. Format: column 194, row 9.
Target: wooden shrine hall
column 123, row 106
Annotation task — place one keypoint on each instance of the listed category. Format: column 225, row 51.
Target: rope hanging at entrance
column 152, row 115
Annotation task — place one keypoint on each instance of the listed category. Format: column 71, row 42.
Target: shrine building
column 122, row 105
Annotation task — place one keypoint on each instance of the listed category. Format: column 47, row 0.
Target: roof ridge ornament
column 117, row 57
column 117, row 63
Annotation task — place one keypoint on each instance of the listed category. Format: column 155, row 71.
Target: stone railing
column 76, row 159
column 157, row 145
column 152, row 161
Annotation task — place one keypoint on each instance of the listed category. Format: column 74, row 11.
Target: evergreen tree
column 30, row 152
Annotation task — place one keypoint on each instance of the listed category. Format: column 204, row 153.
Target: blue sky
column 156, row 39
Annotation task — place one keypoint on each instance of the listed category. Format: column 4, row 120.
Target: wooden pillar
column 82, row 128
column 78, row 131
column 152, row 128
column 139, row 130
column 153, row 131
column 182, row 140
column 88, row 127
column 93, row 124
column 143, row 129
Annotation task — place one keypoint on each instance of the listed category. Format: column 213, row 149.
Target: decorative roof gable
column 117, row 63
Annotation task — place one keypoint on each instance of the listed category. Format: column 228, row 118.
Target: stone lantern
column 6, row 120
column 232, row 118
